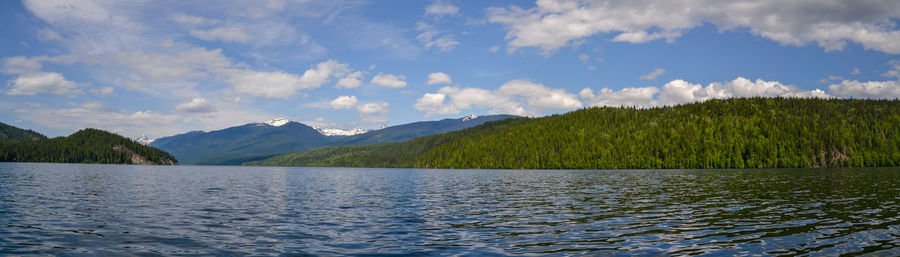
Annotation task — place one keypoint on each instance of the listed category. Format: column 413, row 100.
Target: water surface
column 73, row 209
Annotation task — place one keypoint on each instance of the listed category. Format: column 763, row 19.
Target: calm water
column 65, row 209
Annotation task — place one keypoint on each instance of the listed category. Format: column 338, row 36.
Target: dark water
column 64, row 209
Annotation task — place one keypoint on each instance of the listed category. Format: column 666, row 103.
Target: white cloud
column 869, row 89
column 517, row 97
column 370, row 108
column 322, row 73
column 275, row 84
column 537, row 96
column 369, row 113
column 279, row 84
column 41, row 82
column 653, row 74
column 389, row 80
column 831, row 23
column 343, row 102
column 226, row 34
column 681, row 92
column 196, row 105
column 20, row 65
column 439, row 78
column 639, row 96
column 441, row 9
column 856, row 71
column 430, row 37
column 494, row 49
column 352, row 80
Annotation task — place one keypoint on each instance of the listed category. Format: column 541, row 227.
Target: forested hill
column 13, row 134
column 85, row 146
column 733, row 133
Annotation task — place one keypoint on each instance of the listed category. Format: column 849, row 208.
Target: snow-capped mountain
column 470, row 117
column 340, row 132
column 277, row 122
column 144, row 140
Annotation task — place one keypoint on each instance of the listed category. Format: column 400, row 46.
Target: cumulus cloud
column 196, row 105
column 369, row 113
column 439, row 78
column 352, row 80
column 517, row 97
column 370, row 108
column 633, row 96
column 226, row 34
column 278, row 84
column 441, row 9
column 41, row 82
column 653, row 74
column 275, row 84
column 389, row 80
column 431, row 37
column 869, row 89
column 681, row 92
column 343, row 102
column 831, row 24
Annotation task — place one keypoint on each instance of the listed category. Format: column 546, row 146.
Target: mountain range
column 732, row 133
column 256, row 141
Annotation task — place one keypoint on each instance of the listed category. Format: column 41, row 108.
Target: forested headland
column 84, row 146
column 732, row 133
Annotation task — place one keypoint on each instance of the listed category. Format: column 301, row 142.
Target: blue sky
column 166, row 67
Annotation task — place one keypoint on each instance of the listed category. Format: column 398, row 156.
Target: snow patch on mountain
column 277, row 122
column 470, row 117
column 340, row 132
column 144, row 140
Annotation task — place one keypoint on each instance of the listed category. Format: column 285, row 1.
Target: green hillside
column 13, row 134
column 85, row 146
column 734, row 133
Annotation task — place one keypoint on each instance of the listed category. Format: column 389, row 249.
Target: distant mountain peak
column 144, row 140
column 277, row 122
column 340, row 132
column 470, row 117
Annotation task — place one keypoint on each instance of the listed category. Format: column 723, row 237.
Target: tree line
column 731, row 133
column 84, row 146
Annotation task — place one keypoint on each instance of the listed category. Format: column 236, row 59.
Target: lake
column 76, row 209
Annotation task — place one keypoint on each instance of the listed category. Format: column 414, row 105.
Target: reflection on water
column 64, row 209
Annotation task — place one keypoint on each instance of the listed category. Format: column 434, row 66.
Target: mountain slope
column 417, row 129
column 84, row 146
column 13, row 134
column 256, row 141
column 733, row 133
column 240, row 144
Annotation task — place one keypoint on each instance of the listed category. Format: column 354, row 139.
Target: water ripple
column 65, row 209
